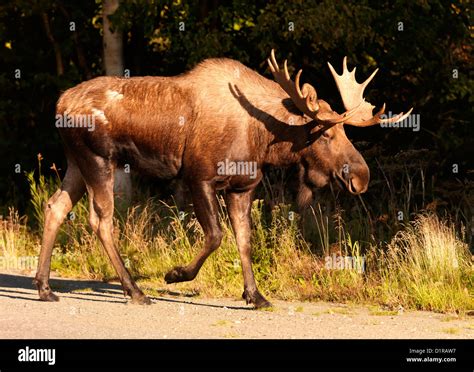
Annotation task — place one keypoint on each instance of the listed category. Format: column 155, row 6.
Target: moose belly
column 160, row 163
column 237, row 175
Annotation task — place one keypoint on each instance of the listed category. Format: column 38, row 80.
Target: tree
column 113, row 65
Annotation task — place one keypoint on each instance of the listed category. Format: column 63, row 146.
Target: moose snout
column 357, row 177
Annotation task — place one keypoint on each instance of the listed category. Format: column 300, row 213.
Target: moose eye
column 326, row 135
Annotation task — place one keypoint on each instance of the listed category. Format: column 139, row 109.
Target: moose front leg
column 207, row 212
column 239, row 208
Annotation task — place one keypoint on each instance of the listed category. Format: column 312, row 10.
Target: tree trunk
column 112, row 42
column 113, row 65
column 54, row 43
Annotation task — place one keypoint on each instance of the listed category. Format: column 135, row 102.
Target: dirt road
column 90, row 309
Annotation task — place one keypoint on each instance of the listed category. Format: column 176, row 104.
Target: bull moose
column 186, row 127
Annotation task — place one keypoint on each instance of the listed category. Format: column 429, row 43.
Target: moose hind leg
column 57, row 208
column 239, row 207
column 206, row 209
column 101, row 197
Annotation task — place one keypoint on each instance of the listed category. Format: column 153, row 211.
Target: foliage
column 425, row 266
column 428, row 266
column 416, row 64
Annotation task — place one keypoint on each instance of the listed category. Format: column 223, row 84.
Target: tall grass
column 426, row 265
column 15, row 237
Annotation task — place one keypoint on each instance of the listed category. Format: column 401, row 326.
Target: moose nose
column 358, row 178
column 357, row 185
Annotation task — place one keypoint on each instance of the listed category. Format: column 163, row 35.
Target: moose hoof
column 255, row 298
column 44, row 291
column 48, row 296
column 141, row 299
column 176, row 275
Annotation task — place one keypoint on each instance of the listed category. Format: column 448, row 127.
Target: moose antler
column 352, row 94
column 305, row 99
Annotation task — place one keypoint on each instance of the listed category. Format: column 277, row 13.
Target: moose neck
column 279, row 130
column 284, row 142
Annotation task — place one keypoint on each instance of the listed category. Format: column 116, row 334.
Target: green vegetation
column 451, row 331
column 425, row 266
column 382, row 312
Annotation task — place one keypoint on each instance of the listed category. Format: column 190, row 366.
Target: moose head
column 331, row 156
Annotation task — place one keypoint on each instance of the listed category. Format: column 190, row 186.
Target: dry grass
column 428, row 267
column 425, row 266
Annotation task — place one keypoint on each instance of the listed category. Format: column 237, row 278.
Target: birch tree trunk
column 113, row 65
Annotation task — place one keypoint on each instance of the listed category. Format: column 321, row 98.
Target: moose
column 182, row 127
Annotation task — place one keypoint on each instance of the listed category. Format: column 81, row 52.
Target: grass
column 426, row 265
column 382, row 312
column 231, row 335
column 338, row 310
column 222, row 323
column 450, row 318
column 83, row 290
column 452, row 331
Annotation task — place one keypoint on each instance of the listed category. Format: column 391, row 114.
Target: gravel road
column 90, row 309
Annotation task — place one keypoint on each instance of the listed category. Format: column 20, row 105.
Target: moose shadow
column 12, row 286
column 19, row 287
